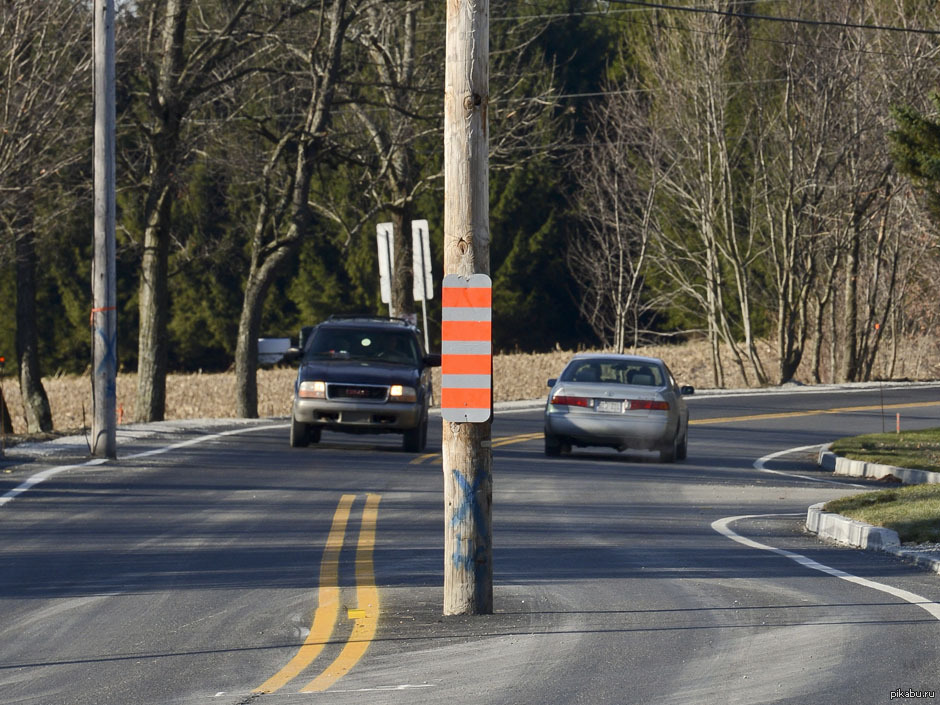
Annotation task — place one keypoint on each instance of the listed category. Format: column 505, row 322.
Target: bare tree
column 615, row 202
column 396, row 98
column 190, row 50
column 45, row 63
column 703, row 245
column 311, row 49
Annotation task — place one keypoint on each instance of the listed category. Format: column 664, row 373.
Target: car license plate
column 611, row 407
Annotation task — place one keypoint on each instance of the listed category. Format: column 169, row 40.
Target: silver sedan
column 619, row 401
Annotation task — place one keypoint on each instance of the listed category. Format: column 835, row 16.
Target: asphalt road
column 234, row 569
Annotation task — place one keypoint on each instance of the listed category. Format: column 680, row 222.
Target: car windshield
column 636, row 372
column 348, row 343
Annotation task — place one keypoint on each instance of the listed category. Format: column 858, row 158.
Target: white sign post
column 421, row 265
column 385, row 238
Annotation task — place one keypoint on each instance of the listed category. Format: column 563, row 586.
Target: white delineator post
column 467, row 446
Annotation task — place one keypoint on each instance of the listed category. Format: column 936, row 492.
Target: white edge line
column 761, row 462
column 44, row 475
column 721, row 526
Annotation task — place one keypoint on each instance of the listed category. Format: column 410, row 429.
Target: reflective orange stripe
column 461, row 296
column 466, row 365
column 466, row 330
column 465, row 398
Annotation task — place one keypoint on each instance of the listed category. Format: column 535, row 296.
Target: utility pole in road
column 467, row 447
column 103, row 312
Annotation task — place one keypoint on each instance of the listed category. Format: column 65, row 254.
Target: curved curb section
column 851, row 532
column 859, row 468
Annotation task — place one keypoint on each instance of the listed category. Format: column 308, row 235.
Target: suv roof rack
column 367, row 317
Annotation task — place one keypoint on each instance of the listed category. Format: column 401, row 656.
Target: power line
column 773, row 18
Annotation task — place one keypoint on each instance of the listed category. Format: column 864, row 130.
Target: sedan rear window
column 614, row 372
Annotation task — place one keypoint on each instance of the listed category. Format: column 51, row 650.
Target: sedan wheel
column 682, row 450
column 552, row 445
column 671, row 452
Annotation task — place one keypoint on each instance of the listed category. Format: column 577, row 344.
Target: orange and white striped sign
column 466, row 348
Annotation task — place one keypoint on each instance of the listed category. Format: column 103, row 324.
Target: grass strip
column 910, row 449
column 913, row 511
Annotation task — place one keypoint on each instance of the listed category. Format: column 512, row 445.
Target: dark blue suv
column 362, row 375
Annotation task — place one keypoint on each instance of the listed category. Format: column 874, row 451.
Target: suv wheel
column 299, row 434
column 415, row 439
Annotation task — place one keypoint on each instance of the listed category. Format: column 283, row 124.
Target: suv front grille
column 367, row 392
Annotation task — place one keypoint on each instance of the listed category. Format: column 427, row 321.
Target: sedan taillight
column 570, row 401
column 649, row 405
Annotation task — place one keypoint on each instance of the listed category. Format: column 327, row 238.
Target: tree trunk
column 154, row 304
column 249, row 328
column 168, row 106
column 35, row 401
column 402, row 299
column 850, row 312
column 6, row 421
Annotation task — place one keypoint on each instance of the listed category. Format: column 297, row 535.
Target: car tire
column 552, row 446
column 669, row 453
column 415, row 439
column 682, row 450
column 299, row 434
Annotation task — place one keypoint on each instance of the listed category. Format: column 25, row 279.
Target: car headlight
column 399, row 392
column 312, row 390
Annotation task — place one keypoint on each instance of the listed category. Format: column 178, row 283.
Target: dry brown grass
column 516, row 376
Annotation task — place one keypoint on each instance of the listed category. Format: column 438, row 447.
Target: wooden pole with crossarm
column 467, row 447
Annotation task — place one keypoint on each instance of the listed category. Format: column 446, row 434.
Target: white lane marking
column 761, row 462
column 41, row 477
column 384, row 688
column 721, row 526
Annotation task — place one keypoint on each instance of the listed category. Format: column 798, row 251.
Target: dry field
column 516, row 376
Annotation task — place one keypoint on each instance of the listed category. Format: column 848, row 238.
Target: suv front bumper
column 361, row 416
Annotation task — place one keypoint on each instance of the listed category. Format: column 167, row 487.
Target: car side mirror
column 551, row 382
column 432, row 360
column 292, row 354
column 687, row 390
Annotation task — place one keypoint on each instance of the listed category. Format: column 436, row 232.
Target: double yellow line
column 365, row 615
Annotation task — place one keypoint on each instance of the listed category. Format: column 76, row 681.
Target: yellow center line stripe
column 811, row 412
column 509, row 440
column 324, row 618
column 522, row 438
column 367, row 596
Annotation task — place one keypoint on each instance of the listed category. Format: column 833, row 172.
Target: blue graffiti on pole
column 109, row 359
column 463, row 557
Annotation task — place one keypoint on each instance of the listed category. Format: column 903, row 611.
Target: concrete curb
column 849, row 532
column 859, row 468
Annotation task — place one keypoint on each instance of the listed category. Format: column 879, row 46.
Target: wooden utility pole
column 467, row 448
column 103, row 312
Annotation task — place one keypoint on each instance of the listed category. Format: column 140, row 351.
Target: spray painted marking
column 468, row 505
column 41, row 477
column 466, row 348
column 722, row 527
column 109, row 358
